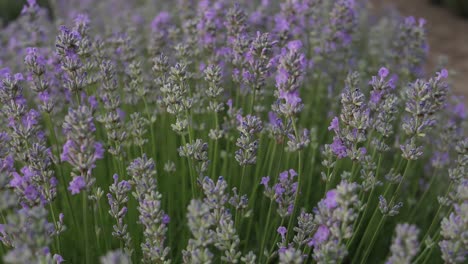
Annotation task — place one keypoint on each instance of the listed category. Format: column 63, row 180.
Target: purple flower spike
column 282, row 77
column 320, row 236
column 282, row 231
column 265, row 181
column 338, row 148
column 166, row 219
column 58, row 259
column 334, row 125
column 330, row 200
column 383, row 72
column 76, row 185
column 295, row 45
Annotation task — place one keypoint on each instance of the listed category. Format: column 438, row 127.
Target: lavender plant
column 298, row 131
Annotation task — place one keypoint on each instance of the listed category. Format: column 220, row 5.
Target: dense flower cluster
column 170, row 119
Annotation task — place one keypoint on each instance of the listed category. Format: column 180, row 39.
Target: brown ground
column 448, row 35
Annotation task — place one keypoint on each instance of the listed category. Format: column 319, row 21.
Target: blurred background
column 10, row 9
column 447, row 24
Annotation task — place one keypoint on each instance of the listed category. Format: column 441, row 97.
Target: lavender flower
column 198, row 151
column 111, row 118
column 423, row 100
column 405, row 244
column 248, row 127
column 383, row 103
column 226, row 239
column 175, row 97
column 160, row 27
column 118, row 199
column 409, row 48
column 215, row 90
column 282, row 192
column 334, row 217
column 115, row 257
column 200, row 222
column 290, row 256
column 81, row 150
column 29, row 234
column 152, row 217
column 68, row 48
column 289, row 77
column 257, row 68
column 454, row 229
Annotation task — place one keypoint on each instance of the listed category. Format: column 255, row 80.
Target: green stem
column 57, row 237
column 275, row 240
column 265, row 229
column 86, row 240
column 57, row 165
column 356, row 231
column 431, row 249
column 436, row 216
column 423, row 197
column 152, row 140
column 238, row 213
column 192, row 176
column 252, row 102
column 299, row 181
column 215, row 157
column 367, row 252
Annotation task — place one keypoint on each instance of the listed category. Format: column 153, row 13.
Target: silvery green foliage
column 116, row 257
column 152, row 217
column 248, row 126
column 454, row 228
column 29, row 234
column 118, row 198
column 405, row 244
column 198, row 152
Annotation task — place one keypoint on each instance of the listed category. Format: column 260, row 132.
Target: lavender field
column 222, row 131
